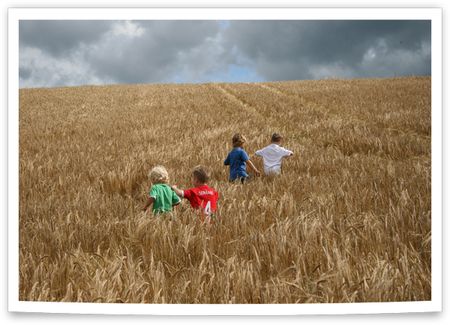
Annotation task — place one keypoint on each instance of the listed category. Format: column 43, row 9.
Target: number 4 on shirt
column 207, row 209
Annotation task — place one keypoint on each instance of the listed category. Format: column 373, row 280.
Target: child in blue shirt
column 238, row 159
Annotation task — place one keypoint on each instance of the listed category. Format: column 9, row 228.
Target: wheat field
column 349, row 220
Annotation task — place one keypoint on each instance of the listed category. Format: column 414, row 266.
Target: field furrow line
column 273, row 90
column 279, row 92
column 235, row 99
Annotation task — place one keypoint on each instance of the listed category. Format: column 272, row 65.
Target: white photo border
column 17, row 14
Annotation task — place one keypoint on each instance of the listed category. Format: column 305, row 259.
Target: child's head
column 276, row 138
column 200, row 175
column 238, row 140
column 159, row 175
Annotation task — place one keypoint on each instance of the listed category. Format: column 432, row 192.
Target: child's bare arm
column 288, row 152
column 149, row 202
column 249, row 162
column 177, row 190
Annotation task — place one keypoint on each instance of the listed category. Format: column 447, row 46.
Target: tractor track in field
column 235, row 99
column 274, row 90
column 283, row 93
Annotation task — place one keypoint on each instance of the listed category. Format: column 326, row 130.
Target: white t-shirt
column 272, row 156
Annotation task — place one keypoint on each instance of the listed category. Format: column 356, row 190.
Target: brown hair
column 201, row 174
column 238, row 140
column 276, row 137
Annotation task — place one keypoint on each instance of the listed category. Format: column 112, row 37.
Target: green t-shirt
column 164, row 198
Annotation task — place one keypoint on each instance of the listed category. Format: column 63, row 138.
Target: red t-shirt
column 203, row 197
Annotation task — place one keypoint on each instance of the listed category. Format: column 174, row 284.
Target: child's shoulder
column 241, row 149
column 212, row 189
column 160, row 186
column 205, row 187
column 236, row 151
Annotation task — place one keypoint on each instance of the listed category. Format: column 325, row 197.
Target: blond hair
column 159, row 174
column 238, row 140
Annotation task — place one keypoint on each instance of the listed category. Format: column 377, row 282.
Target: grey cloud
column 157, row 54
column 39, row 69
column 25, row 73
column 296, row 49
column 55, row 53
column 58, row 37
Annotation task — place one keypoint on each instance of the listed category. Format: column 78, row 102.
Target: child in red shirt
column 201, row 196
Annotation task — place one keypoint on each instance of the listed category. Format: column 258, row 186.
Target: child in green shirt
column 160, row 195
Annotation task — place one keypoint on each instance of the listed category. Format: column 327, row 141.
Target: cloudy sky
column 65, row 53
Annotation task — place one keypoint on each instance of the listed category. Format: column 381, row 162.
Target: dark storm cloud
column 60, row 36
column 55, row 53
column 302, row 49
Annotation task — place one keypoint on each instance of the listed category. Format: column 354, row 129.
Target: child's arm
column 287, row 153
column 149, row 202
column 177, row 190
column 227, row 160
column 249, row 162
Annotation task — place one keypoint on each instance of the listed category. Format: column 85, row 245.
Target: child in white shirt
column 273, row 155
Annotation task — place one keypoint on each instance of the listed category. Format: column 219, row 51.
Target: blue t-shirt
column 236, row 160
